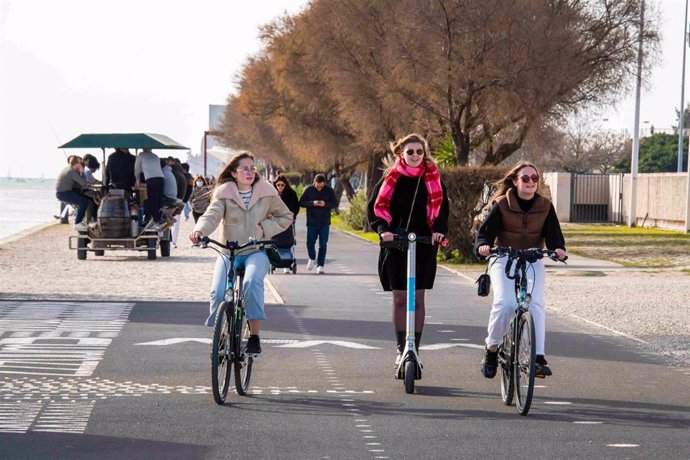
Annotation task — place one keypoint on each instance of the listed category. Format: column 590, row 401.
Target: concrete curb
column 27, row 232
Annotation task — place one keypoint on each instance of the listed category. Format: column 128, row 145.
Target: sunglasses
column 247, row 169
column 280, row 184
column 411, row 152
column 527, row 178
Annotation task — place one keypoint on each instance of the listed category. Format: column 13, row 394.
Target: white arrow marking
column 340, row 343
column 177, row 340
column 441, row 346
column 174, row 341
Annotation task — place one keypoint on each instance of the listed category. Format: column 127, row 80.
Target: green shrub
column 444, row 155
column 356, row 214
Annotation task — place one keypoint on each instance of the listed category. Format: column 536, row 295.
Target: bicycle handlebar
column 529, row 255
column 234, row 245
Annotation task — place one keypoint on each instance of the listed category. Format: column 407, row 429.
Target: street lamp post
column 681, row 121
column 205, row 152
column 632, row 211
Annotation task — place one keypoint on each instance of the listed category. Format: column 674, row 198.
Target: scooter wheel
column 410, row 373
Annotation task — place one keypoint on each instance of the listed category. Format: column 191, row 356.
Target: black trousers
column 154, row 192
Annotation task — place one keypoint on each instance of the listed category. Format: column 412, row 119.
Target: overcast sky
column 71, row 66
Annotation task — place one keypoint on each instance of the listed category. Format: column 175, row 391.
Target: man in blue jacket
column 319, row 199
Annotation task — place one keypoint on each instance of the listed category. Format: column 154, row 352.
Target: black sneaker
column 543, row 369
column 253, row 345
column 490, row 363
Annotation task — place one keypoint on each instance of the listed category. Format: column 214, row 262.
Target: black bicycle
column 230, row 329
column 517, row 354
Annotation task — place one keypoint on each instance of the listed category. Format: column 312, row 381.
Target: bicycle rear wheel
column 243, row 362
column 221, row 364
column 505, row 362
column 525, row 363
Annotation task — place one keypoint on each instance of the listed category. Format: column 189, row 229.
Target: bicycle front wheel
column 506, row 354
column 243, row 362
column 525, row 362
column 221, row 364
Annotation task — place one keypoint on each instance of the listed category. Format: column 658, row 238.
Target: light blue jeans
column 256, row 266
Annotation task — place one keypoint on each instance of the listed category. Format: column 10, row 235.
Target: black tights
column 400, row 310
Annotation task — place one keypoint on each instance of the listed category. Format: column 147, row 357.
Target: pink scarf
column 432, row 180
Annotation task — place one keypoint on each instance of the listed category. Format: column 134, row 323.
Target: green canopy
column 125, row 141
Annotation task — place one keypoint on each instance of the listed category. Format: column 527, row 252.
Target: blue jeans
column 320, row 233
column 77, row 199
column 256, row 266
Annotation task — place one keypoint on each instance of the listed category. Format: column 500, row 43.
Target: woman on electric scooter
column 520, row 218
column 409, row 198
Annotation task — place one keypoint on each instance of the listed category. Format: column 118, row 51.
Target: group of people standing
column 411, row 197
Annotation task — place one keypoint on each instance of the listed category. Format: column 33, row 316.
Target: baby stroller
column 285, row 242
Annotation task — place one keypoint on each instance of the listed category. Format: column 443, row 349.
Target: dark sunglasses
column 411, row 152
column 527, row 178
column 280, row 184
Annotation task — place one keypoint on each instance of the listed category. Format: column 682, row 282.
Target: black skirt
column 393, row 268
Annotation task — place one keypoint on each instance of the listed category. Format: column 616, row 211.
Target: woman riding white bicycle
column 520, row 218
column 248, row 207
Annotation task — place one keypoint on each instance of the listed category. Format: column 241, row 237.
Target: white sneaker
column 319, row 270
column 310, row 264
column 81, row 227
column 286, row 270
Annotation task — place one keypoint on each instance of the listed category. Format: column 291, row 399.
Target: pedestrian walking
column 318, row 199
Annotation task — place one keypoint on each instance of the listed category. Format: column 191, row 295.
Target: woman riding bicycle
column 520, row 218
column 248, row 207
column 409, row 198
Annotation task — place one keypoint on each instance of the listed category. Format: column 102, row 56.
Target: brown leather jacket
column 522, row 230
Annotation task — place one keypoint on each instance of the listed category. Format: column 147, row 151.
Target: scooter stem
column 411, row 286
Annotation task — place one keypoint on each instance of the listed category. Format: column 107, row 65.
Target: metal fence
column 596, row 198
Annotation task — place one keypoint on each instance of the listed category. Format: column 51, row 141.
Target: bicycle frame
column 514, row 365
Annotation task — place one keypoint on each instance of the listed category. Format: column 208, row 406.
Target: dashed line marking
column 557, row 403
column 622, row 445
column 587, row 422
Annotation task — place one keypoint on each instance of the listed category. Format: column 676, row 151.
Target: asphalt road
column 132, row 380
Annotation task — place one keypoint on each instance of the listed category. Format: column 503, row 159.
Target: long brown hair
column 226, row 174
column 505, row 184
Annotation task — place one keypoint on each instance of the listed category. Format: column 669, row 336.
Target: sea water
column 26, row 203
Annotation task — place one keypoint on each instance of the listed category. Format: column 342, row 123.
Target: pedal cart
column 120, row 222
